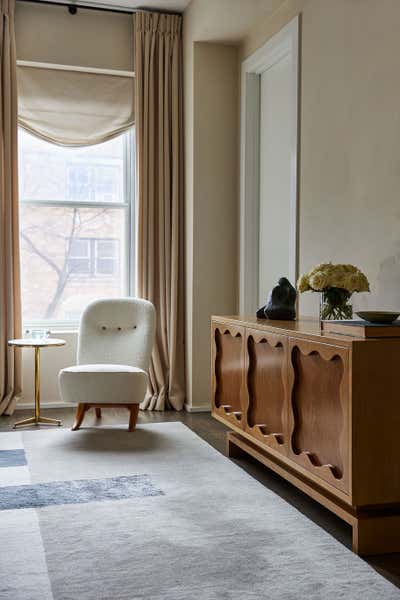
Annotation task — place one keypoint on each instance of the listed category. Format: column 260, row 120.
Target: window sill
column 53, row 328
column 56, row 331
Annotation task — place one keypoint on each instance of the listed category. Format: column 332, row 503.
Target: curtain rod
column 88, row 6
column 102, row 7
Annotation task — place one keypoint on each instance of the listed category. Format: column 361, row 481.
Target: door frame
column 285, row 42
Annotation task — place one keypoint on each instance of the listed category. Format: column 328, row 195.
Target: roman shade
column 74, row 108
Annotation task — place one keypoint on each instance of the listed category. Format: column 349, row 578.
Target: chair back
column 117, row 331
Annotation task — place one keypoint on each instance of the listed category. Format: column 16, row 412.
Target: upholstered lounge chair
column 114, row 347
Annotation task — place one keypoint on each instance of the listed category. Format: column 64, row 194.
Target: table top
column 37, row 342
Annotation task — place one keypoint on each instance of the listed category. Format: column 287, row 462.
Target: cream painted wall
column 215, row 216
column 211, row 207
column 211, row 177
column 48, row 33
column 350, row 137
column 212, row 31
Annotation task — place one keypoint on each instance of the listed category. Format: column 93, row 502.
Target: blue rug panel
column 79, row 491
column 12, row 458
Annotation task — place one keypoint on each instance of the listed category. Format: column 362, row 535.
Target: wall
column 99, row 39
column 350, row 137
column 212, row 31
column 211, row 207
column 215, row 216
column 211, row 97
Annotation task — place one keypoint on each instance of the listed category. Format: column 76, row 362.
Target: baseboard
column 196, row 409
column 31, row 405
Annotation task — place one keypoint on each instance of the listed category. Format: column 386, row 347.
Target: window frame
column 128, row 205
column 93, row 257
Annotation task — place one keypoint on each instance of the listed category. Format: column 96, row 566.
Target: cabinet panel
column 319, row 410
column 228, row 373
column 266, row 415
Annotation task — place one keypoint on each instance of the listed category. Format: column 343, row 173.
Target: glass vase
column 335, row 305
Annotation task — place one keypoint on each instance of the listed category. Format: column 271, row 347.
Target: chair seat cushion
column 103, row 384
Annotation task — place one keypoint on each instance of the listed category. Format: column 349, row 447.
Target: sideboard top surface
column 306, row 327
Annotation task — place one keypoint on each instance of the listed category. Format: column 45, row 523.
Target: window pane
column 105, row 266
column 80, row 248
column 78, row 265
column 53, row 173
column 106, row 248
column 61, row 272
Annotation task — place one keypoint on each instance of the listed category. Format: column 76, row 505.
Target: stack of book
column 362, row 329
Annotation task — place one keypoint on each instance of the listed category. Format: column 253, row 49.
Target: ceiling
column 227, row 20
column 214, row 20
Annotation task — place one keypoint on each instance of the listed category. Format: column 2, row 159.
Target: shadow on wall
column 385, row 294
column 388, row 291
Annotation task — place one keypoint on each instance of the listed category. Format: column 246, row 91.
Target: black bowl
column 378, row 316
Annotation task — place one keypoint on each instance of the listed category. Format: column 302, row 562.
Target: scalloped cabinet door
column 319, row 410
column 228, row 373
column 266, row 414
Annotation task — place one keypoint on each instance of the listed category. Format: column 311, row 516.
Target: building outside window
column 93, row 257
column 76, row 226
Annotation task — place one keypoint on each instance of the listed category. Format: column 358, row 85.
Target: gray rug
column 102, row 514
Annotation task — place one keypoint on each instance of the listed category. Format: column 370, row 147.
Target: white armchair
column 114, row 347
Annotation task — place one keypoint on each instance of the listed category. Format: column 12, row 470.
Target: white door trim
column 285, row 42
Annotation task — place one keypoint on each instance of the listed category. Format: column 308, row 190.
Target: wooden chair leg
column 133, row 415
column 98, row 412
column 80, row 413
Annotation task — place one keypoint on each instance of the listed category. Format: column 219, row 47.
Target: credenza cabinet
column 321, row 410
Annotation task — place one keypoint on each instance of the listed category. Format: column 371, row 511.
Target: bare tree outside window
column 73, row 200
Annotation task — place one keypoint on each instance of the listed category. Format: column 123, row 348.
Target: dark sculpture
column 280, row 303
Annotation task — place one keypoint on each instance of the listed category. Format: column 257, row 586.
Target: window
column 76, row 219
column 93, row 257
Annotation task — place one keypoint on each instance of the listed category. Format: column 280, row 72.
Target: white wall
column 349, row 138
column 275, row 176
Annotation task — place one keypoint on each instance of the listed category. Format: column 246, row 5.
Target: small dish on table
column 381, row 317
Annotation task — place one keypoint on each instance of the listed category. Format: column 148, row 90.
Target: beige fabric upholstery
column 114, row 347
column 159, row 151
column 119, row 384
column 117, row 331
column 10, row 302
column 73, row 108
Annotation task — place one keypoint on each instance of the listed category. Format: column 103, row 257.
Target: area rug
column 158, row 514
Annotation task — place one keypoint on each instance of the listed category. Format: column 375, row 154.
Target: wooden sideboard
column 321, row 410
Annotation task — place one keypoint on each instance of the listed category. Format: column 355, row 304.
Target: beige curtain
column 73, row 108
column 159, row 147
column 10, row 309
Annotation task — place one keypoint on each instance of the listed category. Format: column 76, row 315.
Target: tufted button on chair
column 114, row 347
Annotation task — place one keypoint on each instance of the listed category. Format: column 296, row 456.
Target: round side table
column 37, row 344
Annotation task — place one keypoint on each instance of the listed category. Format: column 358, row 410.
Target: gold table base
column 37, row 419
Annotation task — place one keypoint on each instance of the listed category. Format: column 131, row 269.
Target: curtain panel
column 159, row 177
column 10, row 306
column 74, row 108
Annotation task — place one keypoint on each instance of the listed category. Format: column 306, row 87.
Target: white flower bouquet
column 336, row 283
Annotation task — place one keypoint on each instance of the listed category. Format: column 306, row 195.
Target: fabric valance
column 74, row 108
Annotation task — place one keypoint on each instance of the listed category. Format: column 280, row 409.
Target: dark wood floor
column 214, row 433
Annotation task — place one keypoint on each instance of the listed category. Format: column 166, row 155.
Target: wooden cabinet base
column 375, row 531
column 321, row 410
